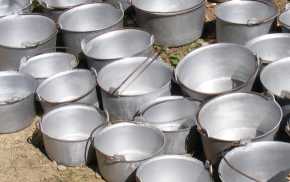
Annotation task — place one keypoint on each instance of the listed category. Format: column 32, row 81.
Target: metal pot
column 67, row 134
column 211, row 70
column 146, row 85
column 172, row 168
column 16, row 101
column 284, row 21
column 8, row 7
column 270, row 47
column 122, row 147
column 22, row 35
column 246, row 23
column 45, row 65
column 261, row 161
column 228, row 120
column 74, row 86
column 175, row 116
column 125, row 3
column 113, row 46
column 99, row 18
column 173, row 23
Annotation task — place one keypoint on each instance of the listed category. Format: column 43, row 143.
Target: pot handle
column 94, row 71
column 23, row 62
column 287, row 129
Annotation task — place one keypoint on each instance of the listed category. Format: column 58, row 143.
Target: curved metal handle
column 94, row 71
column 287, row 128
column 208, row 165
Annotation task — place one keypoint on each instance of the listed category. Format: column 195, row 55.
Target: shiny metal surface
column 264, row 161
column 125, row 3
column 66, row 133
column 173, row 23
column 217, row 69
column 115, row 45
column 16, row 101
column 22, row 35
column 232, row 118
column 174, row 116
column 74, row 86
column 285, row 21
column 87, row 21
column 142, row 87
column 173, row 168
column 8, row 7
column 121, row 148
column 246, row 23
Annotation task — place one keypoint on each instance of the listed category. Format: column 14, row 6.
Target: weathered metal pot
column 211, row 70
column 145, row 85
column 228, row 120
column 270, row 47
column 45, row 65
column 66, row 133
column 16, row 101
column 173, row 168
column 122, row 147
column 113, row 46
column 173, row 23
column 174, row 116
column 246, row 23
column 99, row 18
column 8, row 7
column 74, row 86
column 22, row 35
column 260, row 161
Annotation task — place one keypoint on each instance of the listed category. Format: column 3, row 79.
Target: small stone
column 61, row 168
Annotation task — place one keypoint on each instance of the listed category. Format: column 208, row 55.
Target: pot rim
column 81, row 8
column 264, row 37
column 39, row 43
column 61, row 74
column 264, row 20
column 201, row 49
column 128, row 123
column 53, row 8
column 85, row 41
column 277, row 125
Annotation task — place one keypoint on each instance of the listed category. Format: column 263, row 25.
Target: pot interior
column 67, row 86
column 8, row 7
column 244, row 12
column 217, row 69
column 115, row 44
column 130, row 141
column 153, row 78
column 49, row 64
column 239, row 116
column 71, row 123
column 24, row 31
column 185, row 170
column 90, row 17
column 265, row 161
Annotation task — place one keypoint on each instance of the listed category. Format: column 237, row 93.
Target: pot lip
column 39, row 43
column 280, row 61
column 83, row 6
column 61, row 7
column 166, row 85
column 257, row 138
column 264, row 37
column 264, row 20
column 170, row 13
column 201, row 49
column 128, row 123
column 85, row 42
column 58, row 109
column 64, row 73
column 247, row 146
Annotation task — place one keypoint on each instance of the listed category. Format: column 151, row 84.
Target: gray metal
column 23, row 35
column 154, row 82
column 173, row 23
column 125, row 3
column 88, row 21
column 45, row 65
column 264, row 161
column 217, row 69
column 116, row 45
column 74, row 86
column 174, row 116
column 67, row 132
column 16, row 101
column 284, row 20
column 229, row 120
column 122, row 147
column 172, row 168
column 8, row 7
column 239, row 21
column 270, row 47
